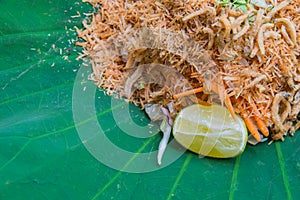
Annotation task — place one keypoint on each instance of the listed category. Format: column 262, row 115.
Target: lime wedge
column 210, row 131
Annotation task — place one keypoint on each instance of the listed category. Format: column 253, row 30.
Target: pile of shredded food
column 246, row 53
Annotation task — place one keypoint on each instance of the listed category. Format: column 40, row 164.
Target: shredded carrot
column 229, row 106
column 250, row 123
column 261, row 126
column 194, row 91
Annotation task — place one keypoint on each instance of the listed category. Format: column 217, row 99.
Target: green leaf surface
column 42, row 155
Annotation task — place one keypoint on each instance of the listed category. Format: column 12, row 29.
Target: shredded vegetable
column 250, row 49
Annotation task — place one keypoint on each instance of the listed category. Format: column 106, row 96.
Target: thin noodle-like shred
column 290, row 29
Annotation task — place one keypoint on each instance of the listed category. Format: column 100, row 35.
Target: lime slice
column 210, row 131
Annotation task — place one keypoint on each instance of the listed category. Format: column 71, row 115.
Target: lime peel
column 210, row 131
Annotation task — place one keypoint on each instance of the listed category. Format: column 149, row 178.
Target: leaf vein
column 123, row 168
column 234, row 178
column 283, row 171
column 180, row 174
